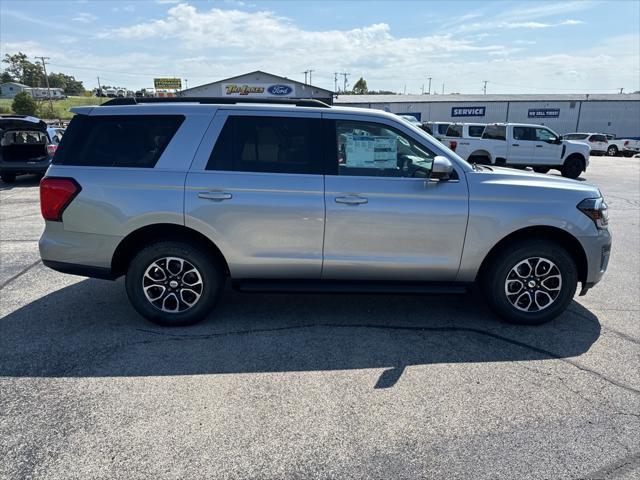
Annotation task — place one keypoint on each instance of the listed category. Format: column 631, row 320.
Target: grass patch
column 60, row 107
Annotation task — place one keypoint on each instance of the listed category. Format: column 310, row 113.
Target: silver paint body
column 271, row 226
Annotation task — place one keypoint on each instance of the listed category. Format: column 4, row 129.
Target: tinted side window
column 117, row 141
column 599, row 138
column 524, row 133
column 476, row 130
column 495, row 132
column 576, row 136
column 268, row 144
column 442, row 128
column 454, row 131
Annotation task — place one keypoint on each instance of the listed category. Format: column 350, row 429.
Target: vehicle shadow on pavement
column 20, row 182
column 90, row 330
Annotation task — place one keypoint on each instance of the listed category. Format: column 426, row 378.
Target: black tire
column 479, row 159
column 498, row 271
column 573, row 167
column 211, row 278
column 8, row 177
column 612, row 151
column 541, row 169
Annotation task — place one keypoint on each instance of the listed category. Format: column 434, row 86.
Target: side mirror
column 559, row 140
column 441, row 169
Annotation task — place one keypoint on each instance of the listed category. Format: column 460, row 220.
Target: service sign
column 467, row 111
column 257, row 89
column 543, row 113
column 167, row 83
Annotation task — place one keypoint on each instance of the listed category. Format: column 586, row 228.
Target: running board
column 336, row 286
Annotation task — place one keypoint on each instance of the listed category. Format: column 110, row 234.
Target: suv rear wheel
column 173, row 284
column 532, row 284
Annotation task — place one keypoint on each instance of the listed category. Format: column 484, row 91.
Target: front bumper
column 598, row 251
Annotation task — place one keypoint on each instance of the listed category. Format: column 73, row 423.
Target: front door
column 384, row 219
column 548, row 150
column 522, row 150
column 259, row 194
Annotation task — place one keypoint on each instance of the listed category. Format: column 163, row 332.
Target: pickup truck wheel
column 8, row 177
column 541, row 169
column 532, row 284
column 612, row 151
column 173, row 284
column 572, row 167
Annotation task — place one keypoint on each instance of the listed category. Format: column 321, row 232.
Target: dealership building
column 259, row 85
column 603, row 113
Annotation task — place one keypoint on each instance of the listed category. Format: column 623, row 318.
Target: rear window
column 476, row 130
column 495, row 132
column 23, row 137
column 598, row 138
column 116, row 141
column 454, row 131
column 268, row 144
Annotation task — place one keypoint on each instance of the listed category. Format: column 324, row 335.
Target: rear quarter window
column 495, row 132
column 454, row 131
column 117, row 140
column 476, row 130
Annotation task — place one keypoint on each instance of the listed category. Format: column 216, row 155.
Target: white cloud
column 84, row 17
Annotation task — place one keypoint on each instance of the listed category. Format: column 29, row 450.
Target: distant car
column 596, row 141
column 437, row 129
column 621, row 146
column 25, row 146
column 55, row 135
column 412, row 120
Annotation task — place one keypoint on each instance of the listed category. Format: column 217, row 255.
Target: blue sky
column 519, row 47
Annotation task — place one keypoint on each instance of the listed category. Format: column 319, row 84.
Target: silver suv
column 302, row 197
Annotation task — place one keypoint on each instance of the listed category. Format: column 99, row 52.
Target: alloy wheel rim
column 533, row 284
column 172, row 284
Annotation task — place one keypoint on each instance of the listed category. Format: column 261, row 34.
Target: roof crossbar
column 216, row 100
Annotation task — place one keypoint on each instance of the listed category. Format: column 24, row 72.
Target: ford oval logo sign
column 279, row 90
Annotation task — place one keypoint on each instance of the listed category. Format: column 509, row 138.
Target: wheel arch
column 554, row 234
column 144, row 236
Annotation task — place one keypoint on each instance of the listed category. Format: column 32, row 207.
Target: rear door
column 384, row 219
column 598, row 143
column 258, row 192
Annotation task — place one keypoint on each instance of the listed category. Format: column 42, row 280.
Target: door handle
column 515, row 144
column 218, row 196
column 351, row 200
column 539, row 146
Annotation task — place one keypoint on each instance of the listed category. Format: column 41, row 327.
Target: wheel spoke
column 195, row 296
column 533, row 284
column 172, row 284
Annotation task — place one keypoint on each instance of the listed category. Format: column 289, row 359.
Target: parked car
column 437, row 129
column 524, row 145
column 412, row 120
column 298, row 196
column 25, row 146
column 457, row 133
column 621, row 146
column 597, row 142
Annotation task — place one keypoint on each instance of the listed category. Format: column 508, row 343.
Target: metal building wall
column 619, row 118
column 565, row 122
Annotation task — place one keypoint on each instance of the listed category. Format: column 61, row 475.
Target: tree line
column 19, row 69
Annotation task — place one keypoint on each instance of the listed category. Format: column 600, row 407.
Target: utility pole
column 345, row 75
column 306, row 72
column 99, row 90
column 44, row 67
column 310, row 72
column 429, row 91
column 621, row 89
column 423, row 89
column 484, row 89
column 186, row 83
column 335, row 82
column 443, row 88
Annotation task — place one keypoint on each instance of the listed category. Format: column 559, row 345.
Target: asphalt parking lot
column 317, row 386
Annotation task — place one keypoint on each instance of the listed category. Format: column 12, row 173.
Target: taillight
column 453, row 145
column 51, row 149
column 55, row 195
column 591, row 139
column 626, row 142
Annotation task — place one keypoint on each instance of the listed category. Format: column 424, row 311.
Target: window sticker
column 368, row 151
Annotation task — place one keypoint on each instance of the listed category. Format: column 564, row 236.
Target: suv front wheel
column 173, row 283
column 532, row 284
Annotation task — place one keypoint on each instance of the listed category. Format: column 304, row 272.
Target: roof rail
column 216, row 100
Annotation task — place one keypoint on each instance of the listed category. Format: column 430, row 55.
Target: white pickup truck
column 626, row 147
column 523, row 145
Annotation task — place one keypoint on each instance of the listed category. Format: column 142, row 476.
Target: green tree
column 22, row 70
column 360, row 87
column 6, row 77
column 68, row 83
column 24, row 104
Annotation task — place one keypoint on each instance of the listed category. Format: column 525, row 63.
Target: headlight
column 596, row 210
